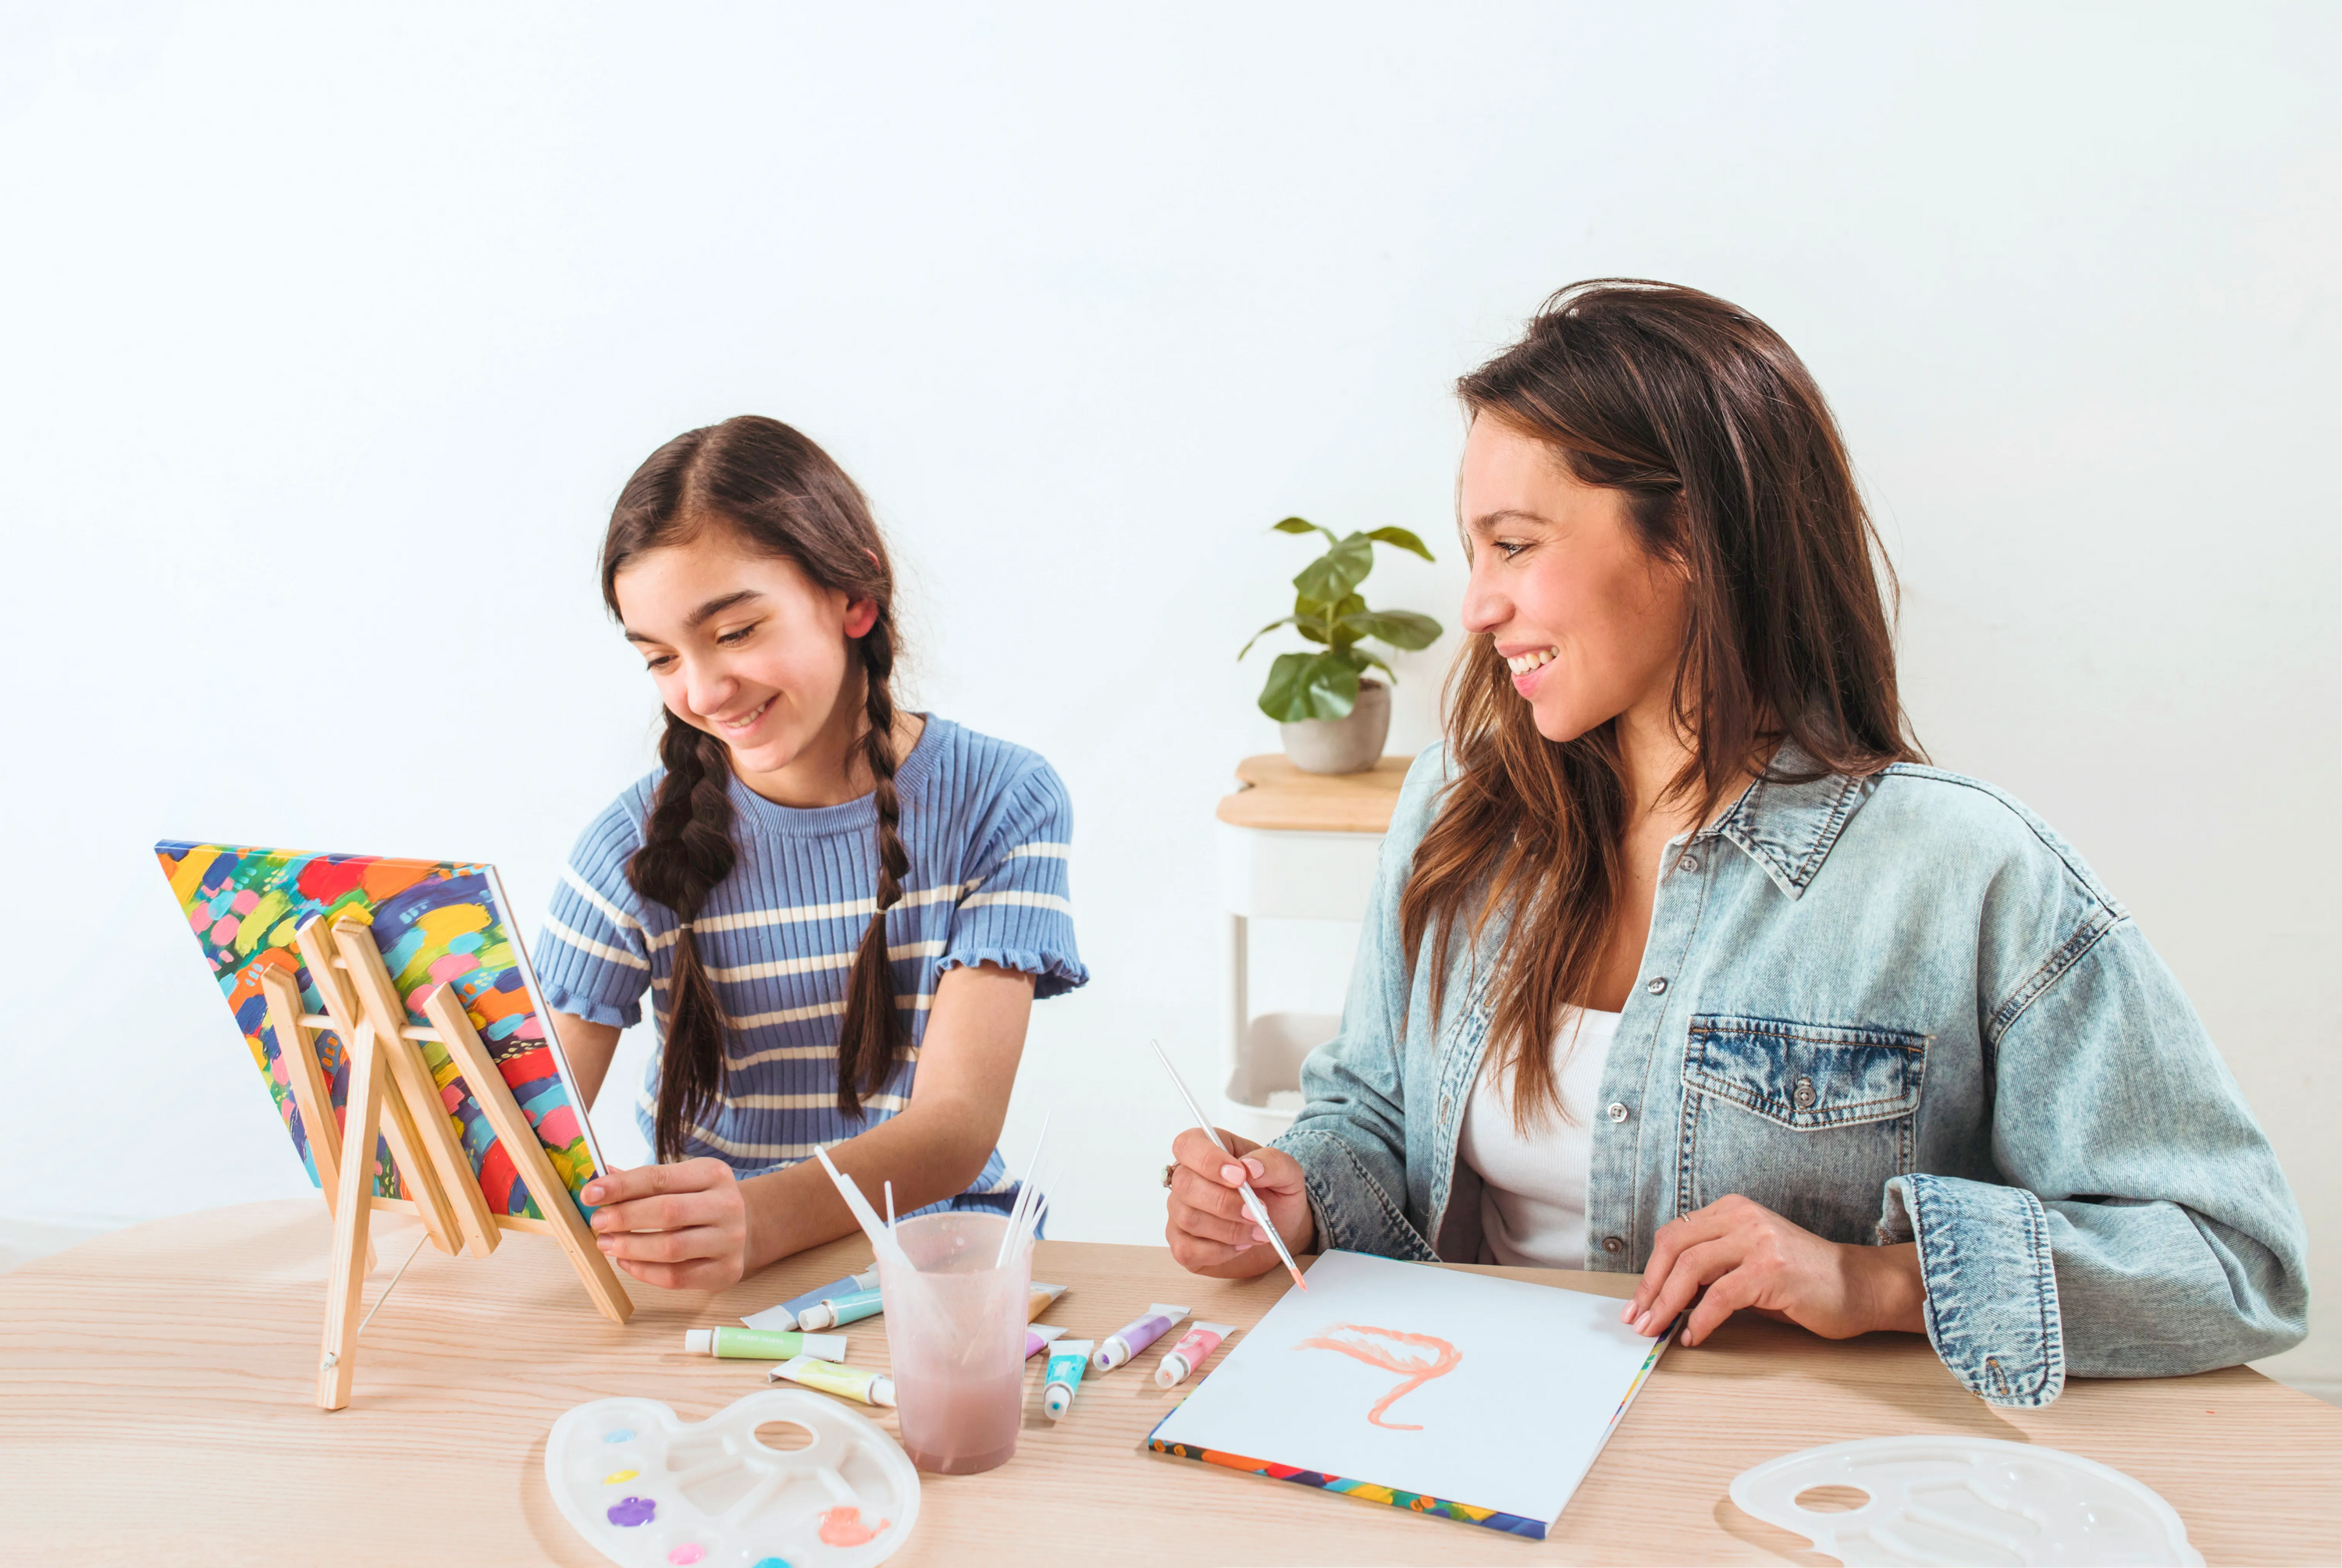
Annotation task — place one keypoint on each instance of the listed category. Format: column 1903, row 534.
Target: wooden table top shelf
column 156, row 1407
column 1279, row 796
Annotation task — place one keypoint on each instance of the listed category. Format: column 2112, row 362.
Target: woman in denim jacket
column 1680, row 959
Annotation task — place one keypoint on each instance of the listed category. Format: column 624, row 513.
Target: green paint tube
column 761, row 1344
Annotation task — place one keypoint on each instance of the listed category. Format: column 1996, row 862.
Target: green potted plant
column 1333, row 718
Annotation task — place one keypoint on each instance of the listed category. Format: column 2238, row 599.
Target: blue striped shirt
column 987, row 827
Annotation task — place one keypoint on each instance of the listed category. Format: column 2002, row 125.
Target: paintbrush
column 882, row 1240
column 1252, row 1199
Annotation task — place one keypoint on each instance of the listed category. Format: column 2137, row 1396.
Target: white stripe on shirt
column 1031, row 899
column 588, row 944
column 817, row 1010
column 750, row 919
column 1050, row 850
column 610, row 912
column 812, row 1102
column 818, row 961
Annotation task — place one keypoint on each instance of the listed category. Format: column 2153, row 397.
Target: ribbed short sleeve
column 1019, row 912
column 594, row 957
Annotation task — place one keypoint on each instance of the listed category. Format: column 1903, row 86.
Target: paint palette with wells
column 781, row 1479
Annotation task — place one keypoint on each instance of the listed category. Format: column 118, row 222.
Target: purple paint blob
column 628, row 1512
column 623, row 1434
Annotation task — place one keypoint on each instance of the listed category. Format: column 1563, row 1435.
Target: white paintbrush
column 1252, row 1199
column 865, row 1216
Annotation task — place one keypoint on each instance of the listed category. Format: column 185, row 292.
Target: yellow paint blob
column 444, row 925
column 615, row 1476
column 269, row 911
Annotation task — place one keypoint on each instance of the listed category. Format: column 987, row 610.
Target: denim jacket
column 1890, row 1009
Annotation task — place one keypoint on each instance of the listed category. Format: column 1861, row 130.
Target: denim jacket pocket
column 1810, row 1120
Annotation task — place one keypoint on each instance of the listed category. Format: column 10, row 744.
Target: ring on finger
column 1167, row 1174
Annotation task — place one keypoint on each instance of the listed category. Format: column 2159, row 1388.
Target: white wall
column 329, row 336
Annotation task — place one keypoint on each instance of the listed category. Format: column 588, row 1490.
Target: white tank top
column 1533, row 1201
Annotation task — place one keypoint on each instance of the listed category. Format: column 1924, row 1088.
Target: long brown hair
column 1733, row 471
column 784, row 495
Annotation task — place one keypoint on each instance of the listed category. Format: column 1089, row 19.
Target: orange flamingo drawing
column 1442, row 1359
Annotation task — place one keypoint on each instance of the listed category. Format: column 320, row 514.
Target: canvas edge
column 1345, row 1486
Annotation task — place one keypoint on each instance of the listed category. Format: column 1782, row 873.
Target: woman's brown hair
column 1733, row 471
column 784, row 497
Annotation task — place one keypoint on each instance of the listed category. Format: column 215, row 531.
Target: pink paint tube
column 1134, row 1336
column 1038, row 1337
column 1194, row 1348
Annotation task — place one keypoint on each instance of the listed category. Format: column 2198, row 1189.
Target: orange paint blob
column 844, row 1527
column 1439, row 1360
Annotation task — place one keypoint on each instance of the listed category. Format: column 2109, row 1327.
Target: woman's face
column 746, row 647
column 1590, row 626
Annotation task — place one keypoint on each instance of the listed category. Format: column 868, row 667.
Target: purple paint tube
column 1133, row 1337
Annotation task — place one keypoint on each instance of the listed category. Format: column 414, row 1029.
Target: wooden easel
column 392, row 1095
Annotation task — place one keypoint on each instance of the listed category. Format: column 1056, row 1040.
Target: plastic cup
column 956, row 1334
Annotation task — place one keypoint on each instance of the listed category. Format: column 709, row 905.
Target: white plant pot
column 1344, row 746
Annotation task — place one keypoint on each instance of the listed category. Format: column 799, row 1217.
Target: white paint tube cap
column 882, row 1392
column 698, row 1340
column 1173, row 1372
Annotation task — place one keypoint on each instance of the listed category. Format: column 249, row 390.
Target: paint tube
column 784, row 1316
column 1136, row 1335
column 837, row 1312
column 858, row 1383
column 1194, row 1348
column 761, row 1344
column 1044, row 1298
column 1066, row 1359
column 1037, row 1336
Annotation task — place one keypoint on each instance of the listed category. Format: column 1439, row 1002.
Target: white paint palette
column 649, row 1489
column 1968, row 1500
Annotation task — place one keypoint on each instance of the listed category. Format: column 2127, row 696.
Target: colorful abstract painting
column 435, row 922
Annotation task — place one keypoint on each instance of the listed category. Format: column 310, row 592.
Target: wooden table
column 156, row 1407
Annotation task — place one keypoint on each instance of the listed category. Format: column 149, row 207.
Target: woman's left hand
column 683, row 1226
column 1740, row 1253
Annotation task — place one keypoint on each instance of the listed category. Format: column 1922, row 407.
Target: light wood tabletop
column 155, row 1389
column 1278, row 795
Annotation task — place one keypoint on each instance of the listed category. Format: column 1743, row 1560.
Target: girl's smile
column 745, row 646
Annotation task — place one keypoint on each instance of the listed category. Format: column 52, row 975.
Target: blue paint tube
column 784, row 1316
column 1066, row 1359
column 837, row 1312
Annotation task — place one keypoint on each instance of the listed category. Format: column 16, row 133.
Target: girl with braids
column 1682, row 960
column 843, row 912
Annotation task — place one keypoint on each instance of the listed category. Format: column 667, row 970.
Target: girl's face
column 1590, row 625
column 746, row 647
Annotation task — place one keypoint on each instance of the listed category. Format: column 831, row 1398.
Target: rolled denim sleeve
column 2145, row 1228
column 1350, row 1138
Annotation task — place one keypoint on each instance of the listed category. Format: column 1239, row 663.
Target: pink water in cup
column 956, row 1334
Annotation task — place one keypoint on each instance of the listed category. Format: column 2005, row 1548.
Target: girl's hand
column 682, row 1225
column 1210, row 1230
column 1743, row 1254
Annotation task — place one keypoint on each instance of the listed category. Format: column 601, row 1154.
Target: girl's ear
column 861, row 614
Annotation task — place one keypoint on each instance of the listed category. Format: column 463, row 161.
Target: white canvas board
column 1513, row 1425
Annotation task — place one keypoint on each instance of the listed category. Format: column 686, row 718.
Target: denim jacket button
column 1613, row 1244
column 1803, row 1094
column 1618, row 1111
column 1688, row 863
column 1658, row 985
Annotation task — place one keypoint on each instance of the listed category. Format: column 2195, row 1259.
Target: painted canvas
column 435, row 921
column 1467, row 1397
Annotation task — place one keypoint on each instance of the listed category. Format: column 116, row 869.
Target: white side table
column 1293, row 847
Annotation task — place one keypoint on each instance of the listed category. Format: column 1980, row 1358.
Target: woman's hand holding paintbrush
column 1210, row 1230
